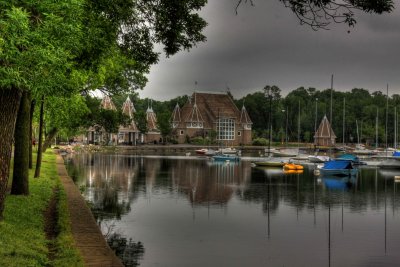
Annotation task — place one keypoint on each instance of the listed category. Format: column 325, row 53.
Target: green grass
column 22, row 237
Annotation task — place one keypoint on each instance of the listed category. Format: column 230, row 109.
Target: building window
column 194, row 125
column 175, row 124
column 225, row 129
column 239, row 133
column 181, row 132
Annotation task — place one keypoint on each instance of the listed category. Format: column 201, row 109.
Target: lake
column 190, row 211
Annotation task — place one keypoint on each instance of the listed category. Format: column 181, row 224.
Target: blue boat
column 340, row 168
column 226, row 157
column 396, row 154
column 352, row 158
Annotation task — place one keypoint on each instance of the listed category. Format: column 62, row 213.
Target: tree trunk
column 20, row 182
column 40, row 140
column 31, row 134
column 9, row 104
column 49, row 137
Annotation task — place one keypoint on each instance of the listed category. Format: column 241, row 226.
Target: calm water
column 190, row 211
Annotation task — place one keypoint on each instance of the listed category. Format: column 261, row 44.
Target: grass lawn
column 22, row 237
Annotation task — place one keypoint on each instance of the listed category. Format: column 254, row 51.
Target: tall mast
column 386, row 122
column 376, row 128
column 395, row 128
column 330, row 117
column 344, row 114
column 298, row 129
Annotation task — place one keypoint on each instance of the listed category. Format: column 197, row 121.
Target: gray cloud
column 266, row 45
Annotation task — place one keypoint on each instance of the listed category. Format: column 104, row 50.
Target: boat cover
column 396, row 154
column 348, row 157
column 337, row 165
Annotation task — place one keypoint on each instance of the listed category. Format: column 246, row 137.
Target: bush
column 260, row 142
column 197, row 140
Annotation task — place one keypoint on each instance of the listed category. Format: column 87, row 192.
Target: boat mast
column 395, row 128
column 386, row 122
column 376, row 128
column 358, row 136
column 330, row 118
column 298, row 131
column 344, row 114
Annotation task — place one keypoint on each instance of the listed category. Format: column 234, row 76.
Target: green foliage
column 164, row 124
column 23, row 241
column 141, row 121
column 260, row 142
column 197, row 140
column 67, row 254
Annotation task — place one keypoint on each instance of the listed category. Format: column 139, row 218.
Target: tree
column 318, row 14
column 141, row 121
column 164, row 124
column 52, row 48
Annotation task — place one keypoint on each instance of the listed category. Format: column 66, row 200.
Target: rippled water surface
column 190, row 211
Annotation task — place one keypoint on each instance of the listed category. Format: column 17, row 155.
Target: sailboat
column 392, row 162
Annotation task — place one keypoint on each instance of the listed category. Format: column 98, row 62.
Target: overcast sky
column 266, row 45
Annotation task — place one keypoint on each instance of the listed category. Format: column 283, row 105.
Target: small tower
column 244, row 134
column 176, row 116
column 106, row 103
column 194, row 119
column 324, row 136
column 151, row 119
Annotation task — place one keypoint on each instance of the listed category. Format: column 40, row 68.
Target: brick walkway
column 88, row 237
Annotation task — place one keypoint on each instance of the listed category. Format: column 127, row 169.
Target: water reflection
column 196, row 212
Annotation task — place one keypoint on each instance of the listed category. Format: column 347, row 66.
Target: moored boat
column 226, row 157
column 201, row 151
column 318, row 159
column 292, row 166
column 339, row 168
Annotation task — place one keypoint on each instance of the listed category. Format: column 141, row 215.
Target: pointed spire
column 325, row 130
column 176, row 114
column 106, row 103
column 151, row 119
column 244, row 116
column 128, row 108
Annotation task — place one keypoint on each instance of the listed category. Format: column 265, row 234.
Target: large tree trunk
column 20, row 182
column 40, row 140
column 31, row 134
column 49, row 137
column 9, row 104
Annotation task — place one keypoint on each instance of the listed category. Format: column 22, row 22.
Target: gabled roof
column 211, row 106
column 128, row 108
column 106, row 103
column 325, row 130
column 151, row 119
column 176, row 114
column 194, row 115
column 244, row 116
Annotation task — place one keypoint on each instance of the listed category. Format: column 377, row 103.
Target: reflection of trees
column 128, row 251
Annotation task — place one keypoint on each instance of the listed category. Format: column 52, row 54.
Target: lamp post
column 268, row 94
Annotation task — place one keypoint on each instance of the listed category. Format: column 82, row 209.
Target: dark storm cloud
column 266, row 45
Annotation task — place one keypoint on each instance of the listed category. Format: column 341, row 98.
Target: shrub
column 260, row 142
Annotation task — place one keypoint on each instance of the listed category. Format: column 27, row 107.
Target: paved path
column 88, row 237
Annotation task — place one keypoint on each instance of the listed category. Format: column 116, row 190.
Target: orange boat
column 292, row 166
